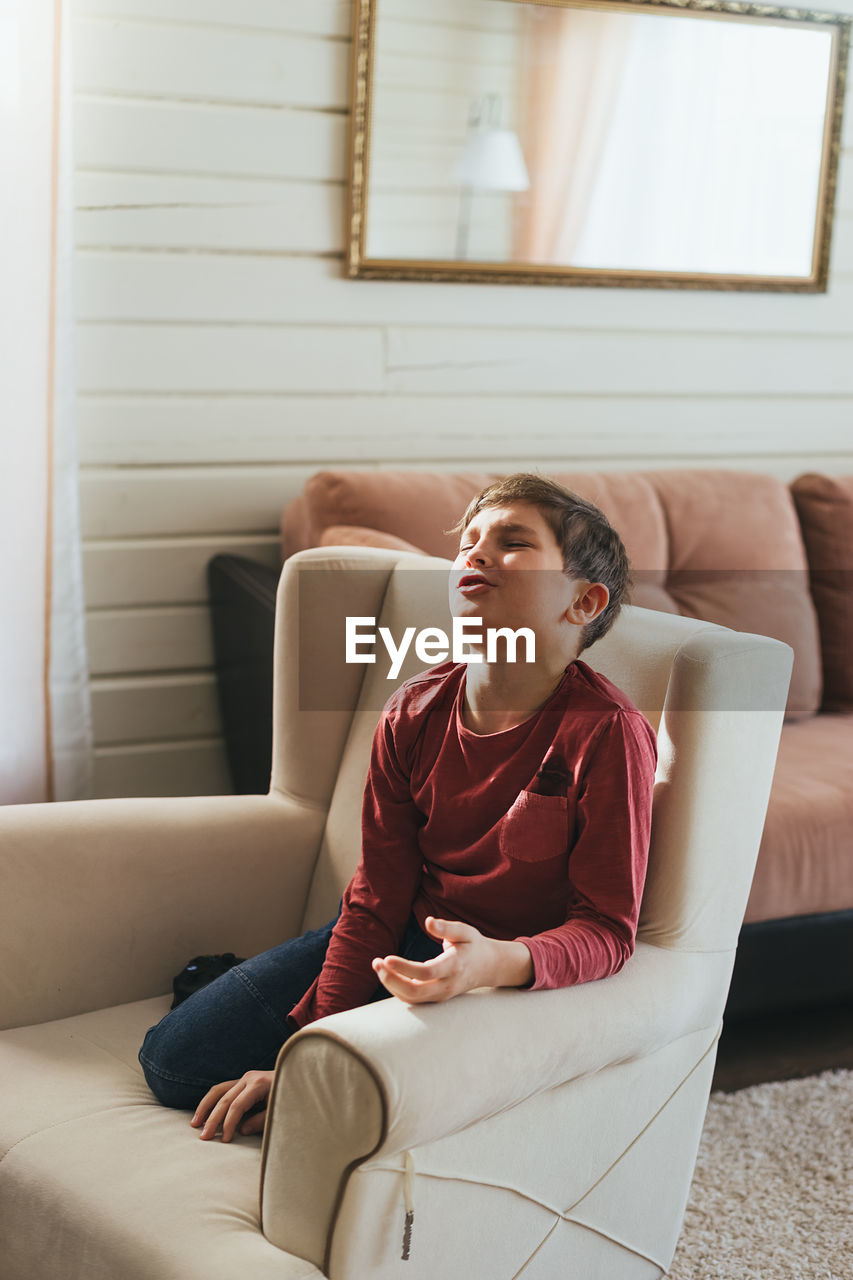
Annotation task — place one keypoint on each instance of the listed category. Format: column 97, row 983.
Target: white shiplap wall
column 223, row 357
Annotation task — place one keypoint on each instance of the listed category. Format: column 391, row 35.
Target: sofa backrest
column 825, row 507
column 724, row 546
column 715, row 697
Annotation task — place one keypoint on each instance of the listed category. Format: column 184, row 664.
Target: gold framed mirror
column 676, row 144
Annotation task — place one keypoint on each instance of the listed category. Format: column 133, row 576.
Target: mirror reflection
column 597, row 139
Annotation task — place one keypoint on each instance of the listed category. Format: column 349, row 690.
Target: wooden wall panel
column 162, row 769
column 441, row 430
column 210, row 64
column 228, row 358
column 421, row 360
column 185, row 137
column 331, row 18
column 154, row 708
column 149, row 502
column 136, row 641
column 127, row 572
column 235, row 287
column 177, row 211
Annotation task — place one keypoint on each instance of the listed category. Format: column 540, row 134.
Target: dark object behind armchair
column 242, row 611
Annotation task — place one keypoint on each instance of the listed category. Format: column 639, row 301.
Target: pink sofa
column 743, row 550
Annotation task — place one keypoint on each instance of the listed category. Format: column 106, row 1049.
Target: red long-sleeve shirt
column 539, row 833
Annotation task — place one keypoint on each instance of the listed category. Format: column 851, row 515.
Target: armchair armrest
column 104, row 900
column 383, row 1071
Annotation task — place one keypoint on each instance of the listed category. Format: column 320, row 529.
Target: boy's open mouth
column 473, row 584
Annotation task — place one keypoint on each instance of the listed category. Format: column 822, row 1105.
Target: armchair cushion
column 97, row 1181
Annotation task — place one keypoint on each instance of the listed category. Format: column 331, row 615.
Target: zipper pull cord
column 409, row 1202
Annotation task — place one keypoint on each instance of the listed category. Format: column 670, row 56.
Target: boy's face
column 485, row 582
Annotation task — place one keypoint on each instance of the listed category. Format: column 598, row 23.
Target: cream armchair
column 505, row 1134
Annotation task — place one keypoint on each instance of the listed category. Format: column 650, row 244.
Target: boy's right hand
column 226, row 1104
column 468, row 960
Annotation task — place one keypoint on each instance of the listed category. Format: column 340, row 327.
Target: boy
column 505, row 823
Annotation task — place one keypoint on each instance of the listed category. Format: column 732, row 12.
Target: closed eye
column 468, row 545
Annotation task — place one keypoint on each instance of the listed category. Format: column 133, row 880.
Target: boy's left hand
column 468, row 960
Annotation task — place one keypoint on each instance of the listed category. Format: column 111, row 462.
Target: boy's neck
column 499, row 696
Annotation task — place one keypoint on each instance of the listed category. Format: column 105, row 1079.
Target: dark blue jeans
column 238, row 1023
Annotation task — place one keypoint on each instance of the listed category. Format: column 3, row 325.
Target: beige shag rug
column 772, row 1196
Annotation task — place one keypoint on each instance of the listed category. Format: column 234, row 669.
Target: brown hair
column 591, row 547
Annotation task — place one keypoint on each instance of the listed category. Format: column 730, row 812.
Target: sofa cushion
column 417, row 506
column 805, row 863
column 411, row 509
column 825, row 508
column 353, row 535
column 737, row 558
column 631, row 505
column 97, row 1180
column 724, row 546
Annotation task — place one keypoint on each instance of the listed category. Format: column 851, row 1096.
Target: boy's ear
column 590, row 600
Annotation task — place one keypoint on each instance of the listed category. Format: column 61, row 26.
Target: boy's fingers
column 239, row 1105
column 396, row 984
column 253, row 1094
column 451, row 930
column 219, row 1113
column 234, row 1115
column 413, row 991
column 422, row 971
column 410, row 992
column 255, row 1124
column 226, row 1104
column 210, row 1099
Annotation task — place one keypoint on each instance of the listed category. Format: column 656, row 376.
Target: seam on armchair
column 688, row 951
column 58, row 1124
column 559, row 1215
column 622, row 1244
column 711, row 1048
column 314, row 805
column 713, row 663
column 541, row 1245
column 132, row 1067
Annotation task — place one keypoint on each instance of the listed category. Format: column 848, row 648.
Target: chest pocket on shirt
column 535, row 828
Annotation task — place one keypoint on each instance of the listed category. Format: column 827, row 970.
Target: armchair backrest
column 716, row 698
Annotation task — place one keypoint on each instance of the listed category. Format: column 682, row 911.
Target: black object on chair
column 242, row 610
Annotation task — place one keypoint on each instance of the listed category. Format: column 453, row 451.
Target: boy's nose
column 478, row 554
